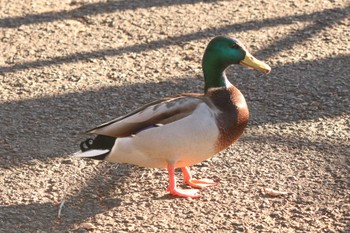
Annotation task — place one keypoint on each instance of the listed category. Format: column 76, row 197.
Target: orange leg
column 200, row 183
column 179, row 192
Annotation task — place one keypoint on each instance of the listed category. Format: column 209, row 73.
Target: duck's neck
column 214, row 75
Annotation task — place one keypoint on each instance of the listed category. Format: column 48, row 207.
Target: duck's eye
column 235, row 46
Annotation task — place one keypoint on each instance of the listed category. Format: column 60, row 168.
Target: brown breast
column 234, row 114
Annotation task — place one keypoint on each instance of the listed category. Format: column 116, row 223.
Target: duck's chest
column 233, row 115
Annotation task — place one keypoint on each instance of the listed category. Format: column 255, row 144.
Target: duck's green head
column 222, row 52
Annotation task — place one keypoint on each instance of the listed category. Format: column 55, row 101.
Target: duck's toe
column 192, row 193
column 200, row 183
column 196, row 183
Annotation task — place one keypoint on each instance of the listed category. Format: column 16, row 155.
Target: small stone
column 240, row 228
column 275, row 214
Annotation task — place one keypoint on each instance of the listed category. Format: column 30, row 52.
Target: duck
column 179, row 131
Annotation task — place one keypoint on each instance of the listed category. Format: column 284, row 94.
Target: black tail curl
column 86, row 145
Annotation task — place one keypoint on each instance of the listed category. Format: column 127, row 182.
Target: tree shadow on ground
column 50, row 126
column 321, row 20
column 91, row 10
column 97, row 196
column 301, row 91
column 305, row 90
column 341, row 151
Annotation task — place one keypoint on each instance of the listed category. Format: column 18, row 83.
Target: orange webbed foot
column 192, row 193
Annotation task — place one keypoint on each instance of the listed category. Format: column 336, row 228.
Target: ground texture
column 66, row 66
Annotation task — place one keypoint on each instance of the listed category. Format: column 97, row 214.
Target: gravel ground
column 66, row 66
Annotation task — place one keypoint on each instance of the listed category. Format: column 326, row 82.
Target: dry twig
column 60, row 209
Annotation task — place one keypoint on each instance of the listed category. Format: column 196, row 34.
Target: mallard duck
column 183, row 130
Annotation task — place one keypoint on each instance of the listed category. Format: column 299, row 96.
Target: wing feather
column 163, row 111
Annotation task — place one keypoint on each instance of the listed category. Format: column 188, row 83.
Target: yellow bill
column 252, row 62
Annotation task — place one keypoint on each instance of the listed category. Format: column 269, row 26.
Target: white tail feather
column 89, row 153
